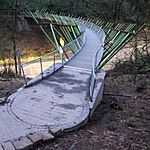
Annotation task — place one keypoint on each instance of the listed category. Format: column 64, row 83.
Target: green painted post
column 51, row 26
column 43, row 30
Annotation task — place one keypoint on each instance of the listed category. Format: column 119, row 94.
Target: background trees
column 114, row 10
column 128, row 10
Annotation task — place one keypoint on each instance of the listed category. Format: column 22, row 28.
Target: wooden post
column 15, row 35
column 15, row 56
column 19, row 60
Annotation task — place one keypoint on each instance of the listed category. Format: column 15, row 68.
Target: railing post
column 91, row 26
column 54, row 62
column 41, row 67
column 98, row 31
column 19, row 60
column 24, row 75
column 93, row 88
column 61, row 54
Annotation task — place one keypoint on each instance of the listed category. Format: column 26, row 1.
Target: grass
column 24, row 59
column 7, row 73
column 8, row 60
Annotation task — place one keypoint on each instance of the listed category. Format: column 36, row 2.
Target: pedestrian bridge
column 65, row 92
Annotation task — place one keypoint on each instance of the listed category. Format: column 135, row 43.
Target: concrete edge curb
column 31, row 140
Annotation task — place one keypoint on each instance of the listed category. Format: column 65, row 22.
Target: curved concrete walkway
column 85, row 56
column 56, row 104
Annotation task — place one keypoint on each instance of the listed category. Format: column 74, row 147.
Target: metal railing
column 35, row 68
column 51, row 62
column 98, row 54
column 67, row 55
column 93, row 74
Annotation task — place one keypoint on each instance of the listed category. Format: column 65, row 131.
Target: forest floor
column 121, row 121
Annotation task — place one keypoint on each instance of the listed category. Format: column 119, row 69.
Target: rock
column 35, row 137
column 2, row 100
column 42, row 135
column 46, row 135
column 115, row 105
column 56, row 131
column 23, row 143
column 8, row 146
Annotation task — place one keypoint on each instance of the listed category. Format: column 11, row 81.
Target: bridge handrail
column 102, row 36
column 93, row 74
column 37, row 59
column 78, row 42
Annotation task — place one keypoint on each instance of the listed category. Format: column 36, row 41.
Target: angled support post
column 43, row 30
column 54, row 36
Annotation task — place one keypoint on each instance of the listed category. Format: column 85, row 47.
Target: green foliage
column 68, row 6
column 140, row 62
column 37, row 4
column 6, row 4
column 129, row 10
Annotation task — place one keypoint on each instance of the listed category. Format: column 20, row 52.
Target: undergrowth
column 137, row 62
column 7, row 73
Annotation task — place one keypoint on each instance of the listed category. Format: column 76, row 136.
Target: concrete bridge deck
column 85, row 56
column 54, row 105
